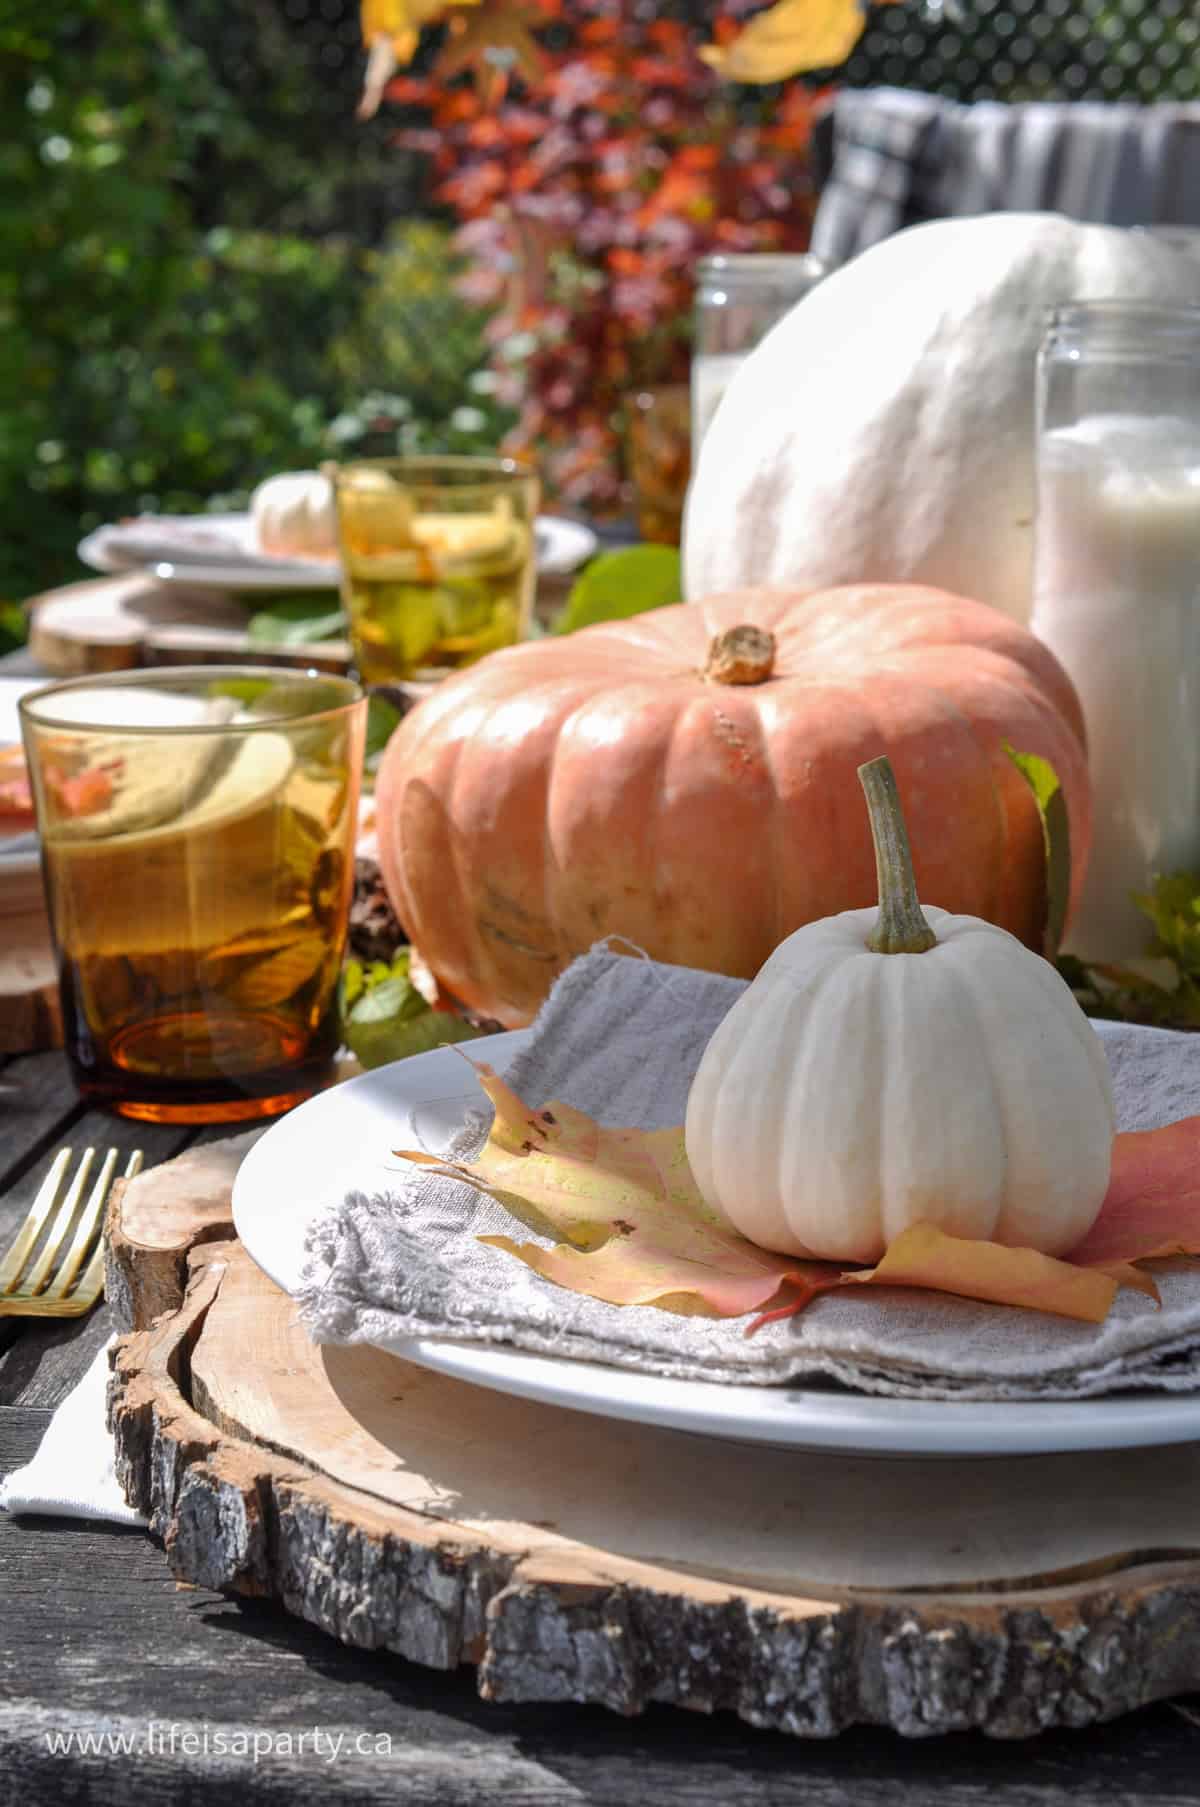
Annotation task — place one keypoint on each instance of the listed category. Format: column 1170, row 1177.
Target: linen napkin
column 620, row 1037
column 71, row 1475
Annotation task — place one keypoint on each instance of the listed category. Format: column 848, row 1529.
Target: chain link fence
column 1019, row 50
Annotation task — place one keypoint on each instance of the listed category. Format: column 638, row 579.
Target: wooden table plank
column 45, row 1358
column 40, row 1110
column 142, row 1650
column 38, row 1103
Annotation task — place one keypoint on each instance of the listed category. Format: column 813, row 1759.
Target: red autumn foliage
column 585, row 197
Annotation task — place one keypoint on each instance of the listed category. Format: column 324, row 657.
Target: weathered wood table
column 96, row 1639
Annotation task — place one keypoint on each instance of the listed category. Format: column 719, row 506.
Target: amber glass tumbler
column 197, row 829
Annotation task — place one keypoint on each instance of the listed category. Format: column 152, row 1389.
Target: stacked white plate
column 221, row 551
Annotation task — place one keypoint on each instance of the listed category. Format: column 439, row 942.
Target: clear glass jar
column 1116, row 589
column 738, row 299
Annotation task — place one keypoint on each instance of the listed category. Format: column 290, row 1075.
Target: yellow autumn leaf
column 401, row 22
column 635, row 1230
column 391, row 31
column 788, row 38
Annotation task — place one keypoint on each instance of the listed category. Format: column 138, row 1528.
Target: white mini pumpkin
column 896, row 1066
column 293, row 515
column 884, row 430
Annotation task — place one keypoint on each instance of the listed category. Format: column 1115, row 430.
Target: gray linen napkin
column 620, row 1037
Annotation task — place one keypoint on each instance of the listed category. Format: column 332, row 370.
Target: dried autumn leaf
column 402, row 21
column 1152, row 1208
column 493, row 45
column 789, row 38
column 636, row 1230
column 638, row 1233
column 925, row 1256
column 391, row 31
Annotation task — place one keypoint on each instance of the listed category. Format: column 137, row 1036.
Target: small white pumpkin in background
column 884, row 430
column 293, row 515
column 899, row 1066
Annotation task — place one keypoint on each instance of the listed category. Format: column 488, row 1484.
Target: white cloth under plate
column 71, row 1475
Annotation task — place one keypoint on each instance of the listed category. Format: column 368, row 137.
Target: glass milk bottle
column 1116, row 589
column 738, row 299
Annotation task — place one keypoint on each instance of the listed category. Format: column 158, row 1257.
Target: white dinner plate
column 341, row 1140
column 258, row 576
column 219, row 551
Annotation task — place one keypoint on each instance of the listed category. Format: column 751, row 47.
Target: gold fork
column 53, row 1281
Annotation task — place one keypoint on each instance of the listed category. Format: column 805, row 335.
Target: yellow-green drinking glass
column 438, row 561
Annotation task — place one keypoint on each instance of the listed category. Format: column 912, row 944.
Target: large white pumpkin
column 884, row 429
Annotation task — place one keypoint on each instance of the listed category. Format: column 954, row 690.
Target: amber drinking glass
column 660, row 463
column 438, row 562
column 197, row 828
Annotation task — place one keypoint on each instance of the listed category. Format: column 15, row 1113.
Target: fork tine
column 26, row 1238
column 91, row 1283
column 85, row 1229
column 56, row 1236
column 89, row 1223
column 58, row 1300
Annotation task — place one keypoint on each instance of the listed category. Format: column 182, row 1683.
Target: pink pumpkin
column 618, row 782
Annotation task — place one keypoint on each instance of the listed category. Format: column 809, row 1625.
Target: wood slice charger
column 574, row 1558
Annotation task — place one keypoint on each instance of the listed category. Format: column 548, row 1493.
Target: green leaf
column 350, row 986
column 392, row 1020
column 243, row 690
column 385, row 1017
column 383, row 718
column 619, row 584
column 1162, row 988
column 288, row 698
column 1043, row 781
column 1173, row 906
column 435, row 1029
column 297, row 621
column 12, row 627
column 394, row 999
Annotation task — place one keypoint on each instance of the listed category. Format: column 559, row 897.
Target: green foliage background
column 182, row 309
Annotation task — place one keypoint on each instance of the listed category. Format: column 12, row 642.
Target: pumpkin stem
column 741, row 655
column 901, row 927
